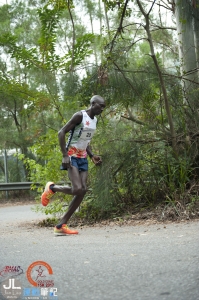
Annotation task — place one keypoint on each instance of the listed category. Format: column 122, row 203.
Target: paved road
column 151, row 262
column 19, row 213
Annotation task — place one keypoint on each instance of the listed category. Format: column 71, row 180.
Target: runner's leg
column 78, row 180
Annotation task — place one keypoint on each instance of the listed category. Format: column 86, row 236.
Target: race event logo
column 11, row 289
column 39, row 273
column 11, row 271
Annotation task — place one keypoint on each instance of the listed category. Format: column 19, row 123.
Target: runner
column 81, row 128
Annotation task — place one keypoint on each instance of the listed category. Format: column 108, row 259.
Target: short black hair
column 96, row 98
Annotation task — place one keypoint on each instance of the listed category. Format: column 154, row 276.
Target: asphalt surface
column 145, row 262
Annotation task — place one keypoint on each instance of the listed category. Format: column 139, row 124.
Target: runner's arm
column 75, row 120
column 96, row 159
column 89, row 151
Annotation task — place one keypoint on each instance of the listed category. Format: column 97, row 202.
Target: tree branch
column 160, row 27
column 180, row 77
column 165, row 5
column 74, row 36
column 128, row 81
column 151, row 7
column 119, row 30
column 132, row 118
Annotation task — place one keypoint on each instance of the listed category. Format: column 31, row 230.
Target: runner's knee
column 79, row 190
column 84, row 189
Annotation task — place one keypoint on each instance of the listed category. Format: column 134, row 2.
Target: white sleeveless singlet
column 80, row 136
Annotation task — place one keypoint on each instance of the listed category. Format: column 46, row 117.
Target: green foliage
column 49, row 18
column 46, row 167
column 135, row 172
column 15, row 169
column 55, row 208
column 119, row 5
column 48, row 156
column 80, row 51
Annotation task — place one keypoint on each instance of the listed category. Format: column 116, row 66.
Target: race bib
column 87, row 134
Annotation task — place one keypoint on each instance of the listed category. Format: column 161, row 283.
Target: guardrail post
column 6, row 170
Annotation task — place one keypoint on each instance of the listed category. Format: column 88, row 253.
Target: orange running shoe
column 47, row 194
column 64, row 230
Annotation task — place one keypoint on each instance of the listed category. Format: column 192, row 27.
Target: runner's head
column 97, row 104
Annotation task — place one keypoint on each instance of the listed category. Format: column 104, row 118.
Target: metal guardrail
column 11, row 186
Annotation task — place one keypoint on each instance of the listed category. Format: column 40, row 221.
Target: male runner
column 81, row 127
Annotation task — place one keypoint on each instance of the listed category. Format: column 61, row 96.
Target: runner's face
column 98, row 107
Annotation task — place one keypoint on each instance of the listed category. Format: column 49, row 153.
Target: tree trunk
column 195, row 12
column 107, row 19
column 187, row 20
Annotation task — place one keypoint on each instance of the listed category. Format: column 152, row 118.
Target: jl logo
column 11, row 289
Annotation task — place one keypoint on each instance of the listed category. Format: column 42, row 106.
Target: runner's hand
column 66, row 163
column 96, row 160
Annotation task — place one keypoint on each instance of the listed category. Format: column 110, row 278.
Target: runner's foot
column 47, row 194
column 64, row 230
